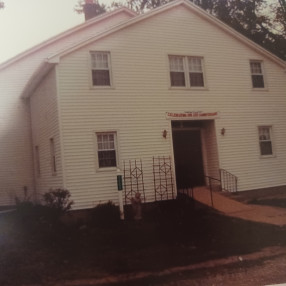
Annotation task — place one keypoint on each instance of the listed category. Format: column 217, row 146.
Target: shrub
column 58, row 199
column 105, row 215
column 56, row 202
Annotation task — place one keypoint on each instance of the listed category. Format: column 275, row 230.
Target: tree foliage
column 255, row 19
column 279, row 12
column 97, row 7
column 140, row 6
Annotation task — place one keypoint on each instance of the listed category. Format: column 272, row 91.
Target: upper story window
column 177, row 71
column 265, row 140
column 186, row 71
column 106, row 149
column 196, row 71
column 100, row 68
column 257, row 74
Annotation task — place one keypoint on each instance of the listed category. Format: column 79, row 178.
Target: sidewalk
column 230, row 207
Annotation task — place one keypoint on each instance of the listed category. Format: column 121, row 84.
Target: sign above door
column 192, row 115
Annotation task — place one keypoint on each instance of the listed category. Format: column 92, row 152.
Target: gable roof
column 68, row 32
column 49, row 62
column 187, row 4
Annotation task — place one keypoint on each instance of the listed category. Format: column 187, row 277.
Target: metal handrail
column 210, row 187
column 228, row 181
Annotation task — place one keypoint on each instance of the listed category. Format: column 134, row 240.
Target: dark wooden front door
column 188, row 158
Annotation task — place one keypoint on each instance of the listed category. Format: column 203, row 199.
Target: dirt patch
column 257, row 268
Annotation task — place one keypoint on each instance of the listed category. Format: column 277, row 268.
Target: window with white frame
column 186, row 71
column 100, row 68
column 195, row 71
column 257, row 76
column 37, row 161
column 106, row 149
column 53, row 156
column 177, row 71
column 265, row 140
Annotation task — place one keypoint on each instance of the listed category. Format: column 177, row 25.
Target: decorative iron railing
column 228, row 181
column 210, row 183
column 163, row 178
column 133, row 180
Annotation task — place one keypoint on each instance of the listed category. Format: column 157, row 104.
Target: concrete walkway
column 230, row 207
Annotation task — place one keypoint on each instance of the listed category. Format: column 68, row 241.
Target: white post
column 120, row 196
column 121, row 208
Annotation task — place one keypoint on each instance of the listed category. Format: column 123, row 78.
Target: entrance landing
column 230, row 207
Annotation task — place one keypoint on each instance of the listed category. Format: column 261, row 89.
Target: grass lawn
column 173, row 233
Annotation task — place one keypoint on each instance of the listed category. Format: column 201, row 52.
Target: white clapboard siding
column 211, row 162
column 15, row 150
column 136, row 104
column 45, row 125
column 15, row 127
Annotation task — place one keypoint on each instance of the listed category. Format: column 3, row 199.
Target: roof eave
column 36, row 79
column 196, row 9
column 64, row 34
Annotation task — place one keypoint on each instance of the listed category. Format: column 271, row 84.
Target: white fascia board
column 235, row 34
column 189, row 5
column 114, row 29
column 65, row 34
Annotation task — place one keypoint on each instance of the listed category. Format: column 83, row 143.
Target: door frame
column 203, row 151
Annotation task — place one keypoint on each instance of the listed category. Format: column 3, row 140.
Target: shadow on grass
column 281, row 202
column 173, row 233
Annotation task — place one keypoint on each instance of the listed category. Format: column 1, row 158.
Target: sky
column 23, row 24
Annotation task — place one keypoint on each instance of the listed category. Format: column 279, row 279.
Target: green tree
column 279, row 11
column 139, row 6
column 91, row 8
column 283, row 6
column 253, row 19
column 261, row 22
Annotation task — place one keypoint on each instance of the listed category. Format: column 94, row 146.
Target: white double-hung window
column 257, row 76
column 177, row 71
column 196, row 71
column 106, row 149
column 265, row 140
column 186, row 71
column 100, row 68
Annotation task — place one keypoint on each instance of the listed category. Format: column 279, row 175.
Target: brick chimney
column 92, row 9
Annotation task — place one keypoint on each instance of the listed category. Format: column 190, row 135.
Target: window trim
column 37, row 161
column 53, row 156
column 262, row 74
column 92, row 86
column 187, row 72
column 110, row 168
column 270, row 127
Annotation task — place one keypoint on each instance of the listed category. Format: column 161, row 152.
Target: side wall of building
column 46, row 136
column 16, row 164
column 136, row 104
column 16, row 156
